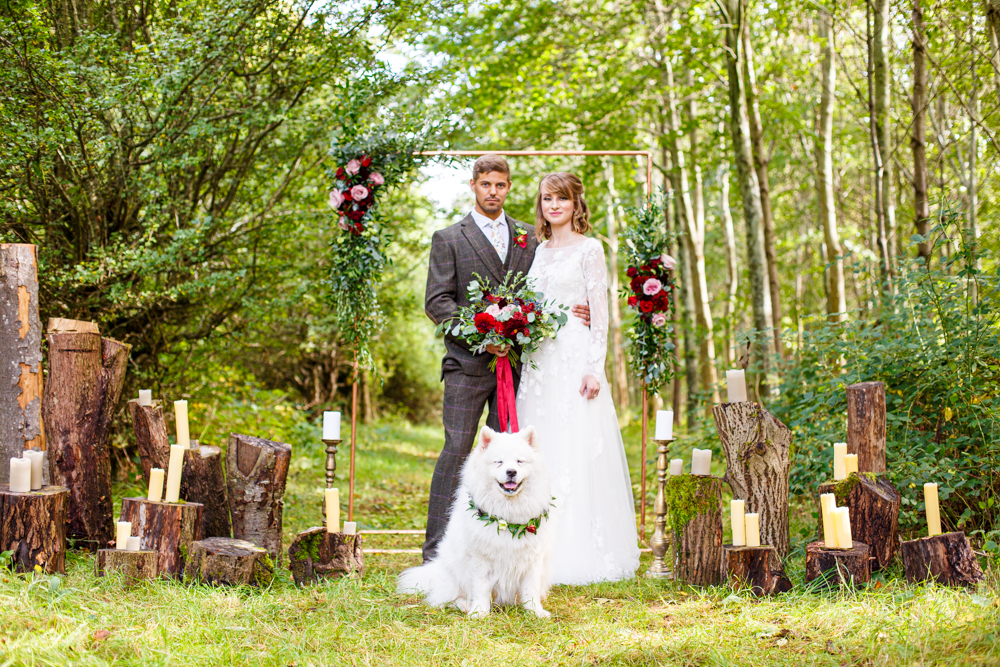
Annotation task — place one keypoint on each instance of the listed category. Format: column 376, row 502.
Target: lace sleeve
column 596, row 274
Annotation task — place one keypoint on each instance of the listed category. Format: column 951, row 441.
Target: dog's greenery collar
column 517, row 530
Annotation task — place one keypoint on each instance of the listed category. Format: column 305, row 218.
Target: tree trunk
column 756, row 446
column 833, row 567
column 879, row 151
column 836, row 299
column 992, row 8
column 620, row 366
column 223, row 560
column 756, row 568
column 204, row 481
column 882, row 42
column 131, row 566
column 947, row 559
column 973, row 235
column 922, row 211
column 33, row 527
column 86, row 375
column 866, row 425
column 151, row 439
column 873, row 505
column 688, row 330
column 316, row 554
column 166, row 528
column 698, row 540
column 732, row 263
column 256, row 470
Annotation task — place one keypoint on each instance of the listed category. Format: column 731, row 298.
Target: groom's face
column 491, row 190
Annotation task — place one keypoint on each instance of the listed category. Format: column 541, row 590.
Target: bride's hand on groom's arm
column 583, row 312
column 590, row 387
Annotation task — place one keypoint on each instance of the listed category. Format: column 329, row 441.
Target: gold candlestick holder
column 659, row 542
column 331, row 460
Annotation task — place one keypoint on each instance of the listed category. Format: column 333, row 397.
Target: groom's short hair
column 488, row 163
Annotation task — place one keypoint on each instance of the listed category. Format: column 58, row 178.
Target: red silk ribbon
column 506, row 402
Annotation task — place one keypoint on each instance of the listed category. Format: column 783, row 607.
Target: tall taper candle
column 850, row 463
column 738, row 521
column 332, row 510
column 736, row 385
column 842, row 519
column 676, row 466
column 174, row 470
column 331, row 426
column 36, row 459
column 20, row 475
column 753, row 529
column 828, row 503
column 181, row 417
column 123, row 532
column 839, row 464
column 155, row 485
column 933, row 509
column 145, row 397
column 664, row 425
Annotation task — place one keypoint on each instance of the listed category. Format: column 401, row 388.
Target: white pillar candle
column 752, row 529
column 333, row 510
column 828, row 503
column 850, row 463
column 933, row 509
column 145, row 397
column 174, row 470
column 331, row 426
column 664, row 425
column 701, row 462
column 738, row 521
column 133, row 544
column 20, row 475
column 839, row 463
column 36, row 459
column 181, row 417
column 842, row 520
column 677, row 466
column 155, row 485
column 123, row 532
column 736, row 384
column 350, row 528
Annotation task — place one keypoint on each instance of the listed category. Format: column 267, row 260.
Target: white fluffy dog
column 498, row 541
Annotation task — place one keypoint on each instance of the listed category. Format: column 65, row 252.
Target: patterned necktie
column 497, row 239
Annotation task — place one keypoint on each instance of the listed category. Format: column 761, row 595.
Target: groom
column 489, row 243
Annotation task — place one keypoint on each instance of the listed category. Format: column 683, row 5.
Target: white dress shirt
column 498, row 239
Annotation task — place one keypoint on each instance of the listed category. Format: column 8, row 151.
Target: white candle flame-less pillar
column 350, row 528
column 181, row 417
column 133, row 544
column 20, row 475
column 676, row 466
column 736, row 385
column 850, row 463
column 331, row 426
column 36, row 458
column 664, row 425
column 145, row 397
column 333, row 510
column 738, row 520
column 753, row 529
column 933, row 509
column 123, row 532
column 842, row 520
column 174, row 473
column 701, row 462
column 155, row 485
column 839, row 462
column 828, row 503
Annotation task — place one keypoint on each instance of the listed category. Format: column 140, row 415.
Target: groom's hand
column 583, row 312
column 498, row 350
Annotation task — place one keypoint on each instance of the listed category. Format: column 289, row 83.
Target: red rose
column 633, row 300
column 528, row 308
column 646, row 268
column 491, row 298
column 636, row 284
column 348, row 196
column 484, row 322
column 357, row 228
column 655, row 261
column 631, row 272
column 366, row 161
column 531, row 529
column 355, row 215
column 646, row 306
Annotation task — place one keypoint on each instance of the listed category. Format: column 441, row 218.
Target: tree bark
column 732, row 263
column 757, row 446
column 316, row 554
column 756, row 568
column 698, row 543
column 86, row 376
column 992, row 8
column 921, row 203
column 882, row 42
column 873, row 505
column 151, row 439
column 686, row 302
column 866, row 429
column 256, row 470
column 131, row 566
column 878, row 157
column 21, row 354
column 620, row 370
column 204, row 482
column 947, row 559
column 33, row 527
column 223, row 560
column 833, row 567
column 166, row 528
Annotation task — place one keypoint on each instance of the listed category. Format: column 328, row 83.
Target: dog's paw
column 479, row 613
column 462, row 604
column 540, row 613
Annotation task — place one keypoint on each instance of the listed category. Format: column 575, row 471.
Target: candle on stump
column 331, row 426
column 738, row 520
column 122, row 533
column 850, row 464
column 36, row 457
column 752, row 528
column 933, row 509
column 145, row 397
column 20, row 475
column 839, row 462
column 664, row 425
column 842, row 520
column 828, row 503
column 155, row 485
column 701, row 462
column 736, row 385
column 133, row 544
column 350, row 528
column 333, row 510
column 181, row 417
column 676, row 466
column 174, row 473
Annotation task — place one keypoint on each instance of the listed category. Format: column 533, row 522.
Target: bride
column 565, row 397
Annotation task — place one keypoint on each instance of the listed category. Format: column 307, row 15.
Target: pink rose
column 668, row 262
column 359, row 192
column 659, row 319
column 353, row 167
column 336, row 199
column 343, row 224
column 376, row 178
column 651, row 287
column 493, row 310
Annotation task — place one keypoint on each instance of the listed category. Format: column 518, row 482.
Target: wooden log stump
column 256, row 470
column 131, row 566
column 85, row 382
column 694, row 514
column 166, row 528
column 33, row 527
column 756, row 446
column 204, row 481
column 873, row 505
column 223, row 560
column 756, row 568
column 834, row 567
column 947, row 559
column 866, row 425
column 151, row 439
column 20, row 356
column 316, row 554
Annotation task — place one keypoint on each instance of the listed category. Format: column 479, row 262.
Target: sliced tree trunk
column 86, row 375
column 256, row 470
column 756, row 446
column 756, row 568
column 316, row 554
column 166, row 528
column 33, row 527
column 866, row 425
column 151, row 439
column 223, row 560
column 873, row 505
column 204, row 481
column 947, row 559
column 694, row 513
column 921, row 202
column 131, row 566
column 838, row 567
column 21, row 354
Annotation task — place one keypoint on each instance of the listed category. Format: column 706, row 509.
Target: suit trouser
column 465, row 396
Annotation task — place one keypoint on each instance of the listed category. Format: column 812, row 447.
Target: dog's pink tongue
column 510, row 485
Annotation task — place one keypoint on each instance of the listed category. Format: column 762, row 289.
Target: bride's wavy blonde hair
column 564, row 185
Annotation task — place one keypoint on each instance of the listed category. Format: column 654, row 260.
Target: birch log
column 866, row 425
column 256, row 470
column 151, row 439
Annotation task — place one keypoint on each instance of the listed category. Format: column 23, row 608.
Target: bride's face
column 556, row 209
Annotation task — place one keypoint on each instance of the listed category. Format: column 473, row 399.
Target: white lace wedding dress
column 594, row 516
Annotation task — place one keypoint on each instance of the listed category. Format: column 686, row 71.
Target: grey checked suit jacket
column 457, row 252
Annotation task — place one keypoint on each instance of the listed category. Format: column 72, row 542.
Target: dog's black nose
column 511, row 473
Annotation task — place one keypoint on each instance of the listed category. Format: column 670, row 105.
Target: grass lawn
column 82, row 620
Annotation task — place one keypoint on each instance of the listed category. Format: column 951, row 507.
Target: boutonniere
column 520, row 236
